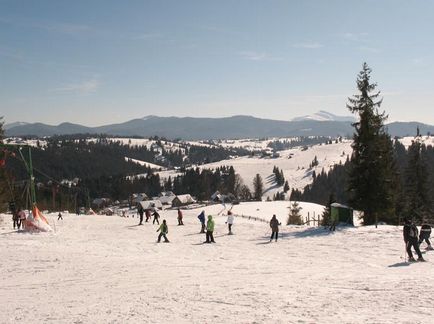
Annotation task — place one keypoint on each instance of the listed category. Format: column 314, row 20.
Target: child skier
column 425, row 233
column 156, row 217
column 411, row 240
column 163, row 229
column 210, row 230
column 274, row 224
column 230, row 222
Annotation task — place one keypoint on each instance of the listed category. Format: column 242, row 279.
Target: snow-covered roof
column 337, row 205
column 149, row 204
column 166, row 200
column 185, row 199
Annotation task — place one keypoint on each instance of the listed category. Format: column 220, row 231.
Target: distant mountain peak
column 323, row 115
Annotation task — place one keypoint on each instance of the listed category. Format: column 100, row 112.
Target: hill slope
column 354, row 275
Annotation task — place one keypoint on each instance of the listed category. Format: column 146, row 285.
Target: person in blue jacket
column 202, row 221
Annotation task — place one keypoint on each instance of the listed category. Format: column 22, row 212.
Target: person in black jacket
column 411, row 240
column 274, row 225
column 156, row 217
column 425, row 233
column 140, row 211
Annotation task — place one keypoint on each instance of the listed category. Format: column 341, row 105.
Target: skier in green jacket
column 163, row 229
column 209, row 230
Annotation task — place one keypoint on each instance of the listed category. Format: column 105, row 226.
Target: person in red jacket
column 180, row 222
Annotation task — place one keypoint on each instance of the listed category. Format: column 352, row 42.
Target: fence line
column 315, row 221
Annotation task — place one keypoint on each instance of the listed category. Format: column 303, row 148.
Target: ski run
column 107, row 269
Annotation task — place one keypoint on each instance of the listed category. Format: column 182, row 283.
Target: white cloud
column 258, row 56
column 87, row 86
column 308, row 45
column 355, row 36
column 369, row 49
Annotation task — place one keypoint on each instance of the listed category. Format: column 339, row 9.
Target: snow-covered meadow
column 106, row 269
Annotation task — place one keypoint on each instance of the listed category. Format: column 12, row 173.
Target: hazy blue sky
column 98, row 62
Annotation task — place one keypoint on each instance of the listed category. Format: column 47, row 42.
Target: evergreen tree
column 245, row 194
column 258, row 187
column 294, row 217
column 286, row 187
column 418, row 202
column 371, row 176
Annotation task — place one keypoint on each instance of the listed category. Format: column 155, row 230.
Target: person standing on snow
column 59, row 216
column 163, row 229
column 210, row 230
column 156, row 217
column 140, row 211
column 411, row 240
column 180, row 217
column 425, row 233
column 202, row 221
column 148, row 215
column 22, row 217
column 274, row 224
column 230, row 222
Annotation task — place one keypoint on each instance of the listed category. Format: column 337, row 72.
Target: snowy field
column 294, row 163
column 102, row 269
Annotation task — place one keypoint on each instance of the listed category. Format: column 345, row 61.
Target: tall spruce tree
column 372, row 174
column 418, row 202
column 258, row 187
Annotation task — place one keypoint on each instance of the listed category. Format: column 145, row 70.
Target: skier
column 59, row 216
column 148, row 215
column 425, row 233
column 209, row 230
column 163, row 229
column 22, row 217
column 230, row 222
column 156, row 217
column 13, row 209
column 180, row 222
column 274, row 224
column 411, row 240
column 140, row 211
column 202, row 221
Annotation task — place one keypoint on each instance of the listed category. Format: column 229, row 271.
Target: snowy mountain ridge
column 323, row 115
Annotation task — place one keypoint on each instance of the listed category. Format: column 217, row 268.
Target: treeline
column 67, row 157
column 414, row 172
column 382, row 179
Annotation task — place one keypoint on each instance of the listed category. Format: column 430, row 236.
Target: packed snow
column 106, row 269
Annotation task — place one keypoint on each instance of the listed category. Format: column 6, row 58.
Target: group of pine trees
column 382, row 179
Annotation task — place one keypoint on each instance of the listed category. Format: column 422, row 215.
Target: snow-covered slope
column 97, row 269
column 407, row 141
column 294, row 163
column 146, row 164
